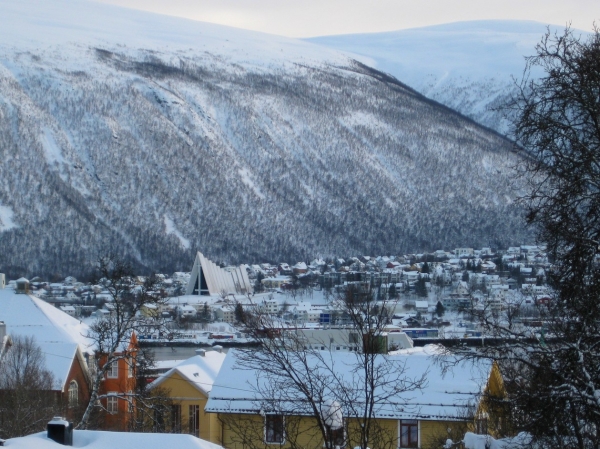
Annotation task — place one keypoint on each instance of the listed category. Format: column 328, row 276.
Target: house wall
column 492, row 408
column 433, row 434
column 242, row 431
column 385, row 434
column 123, row 384
column 78, row 374
column 185, row 394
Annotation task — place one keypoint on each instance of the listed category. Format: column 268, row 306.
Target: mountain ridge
column 470, row 66
column 247, row 148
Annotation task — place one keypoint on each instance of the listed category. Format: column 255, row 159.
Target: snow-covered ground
column 6, row 218
column 94, row 439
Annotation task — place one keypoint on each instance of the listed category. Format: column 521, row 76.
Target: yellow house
column 149, row 310
column 492, row 410
column 444, row 406
column 188, row 385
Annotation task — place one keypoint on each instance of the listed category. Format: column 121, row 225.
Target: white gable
column 217, row 280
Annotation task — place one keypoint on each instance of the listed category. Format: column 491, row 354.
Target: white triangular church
column 207, row 278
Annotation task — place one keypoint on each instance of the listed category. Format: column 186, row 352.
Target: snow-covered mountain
column 156, row 137
column 469, row 66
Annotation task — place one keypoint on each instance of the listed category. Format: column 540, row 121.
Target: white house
column 421, row 306
column 463, row 252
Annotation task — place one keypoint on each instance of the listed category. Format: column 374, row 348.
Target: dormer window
column 113, row 370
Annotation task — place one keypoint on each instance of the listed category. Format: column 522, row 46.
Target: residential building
column 188, row 384
column 463, row 252
column 418, row 418
column 118, row 386
column 61, row 339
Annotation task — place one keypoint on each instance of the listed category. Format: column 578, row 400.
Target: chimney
column 61, row 431
column 218, row 348
column 201, row 352
column 22, row 286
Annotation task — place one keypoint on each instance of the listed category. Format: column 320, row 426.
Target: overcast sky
column 307, row 18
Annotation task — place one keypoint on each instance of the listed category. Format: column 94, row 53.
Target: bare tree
column 340, row 393
column 552, row 370
column 27, row 396
column 151, row 405
column 112, row 334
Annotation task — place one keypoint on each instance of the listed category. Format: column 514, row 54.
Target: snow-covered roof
column 94, row 439
column 200, row 371
column 166, row 364
column 444, row 396
column 57, row 333
column 187, row 308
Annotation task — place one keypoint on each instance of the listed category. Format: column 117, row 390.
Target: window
column 274, row 433
column 158, row 424
column 176, row 418
column 113, row 370
column 112, row 403
column 409, row 433
column 130, row 367
column 336, row 436
column 481, row 424
column 73, row 394
column 194, row 420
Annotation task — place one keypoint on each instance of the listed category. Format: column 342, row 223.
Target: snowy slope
column 157, row 137
column 49, row 24
column 468, row 66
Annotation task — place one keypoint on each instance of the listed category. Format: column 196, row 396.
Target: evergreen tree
column 239, row 313
column 421, row 288
column 392, row 292
column 440, row 309
column 258, row 285
column 205, row 314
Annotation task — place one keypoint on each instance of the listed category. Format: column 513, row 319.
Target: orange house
column 118, row 387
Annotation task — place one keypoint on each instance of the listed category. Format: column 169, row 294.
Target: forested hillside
column 157, row 151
